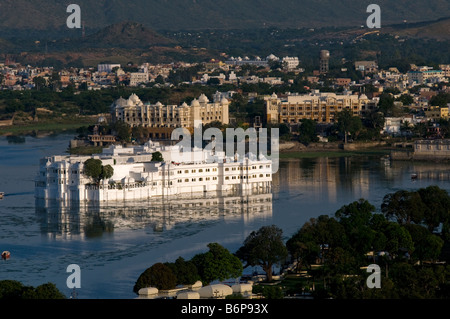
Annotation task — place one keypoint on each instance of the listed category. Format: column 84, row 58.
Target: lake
column 113, row 245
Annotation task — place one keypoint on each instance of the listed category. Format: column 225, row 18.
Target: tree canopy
column 159, row 276
column 217, row 264
column 93, row 168
column 264, row 248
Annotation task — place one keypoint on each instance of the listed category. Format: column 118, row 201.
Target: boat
column 414, row 176
column 2, row 195
column 6, row 254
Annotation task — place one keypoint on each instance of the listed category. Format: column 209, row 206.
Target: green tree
column 185, row 271
column 406, row 99
column 217, row 264
column 159, row 276
column 44, row 291
column 157, row 157
column 427, row 246
column 122, row 131
column 386, row 104
column 355, row 218
column 264, row 248
column 404, row 206
column 93, row 168
column 436, row 203
column 11, row 289
column 307, row 131
column 348, row 124
column 107, row 172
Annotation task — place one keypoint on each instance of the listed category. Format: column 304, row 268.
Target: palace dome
column 195, row 102
column 203, row 99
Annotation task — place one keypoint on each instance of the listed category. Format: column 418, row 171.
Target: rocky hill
column 24, row 17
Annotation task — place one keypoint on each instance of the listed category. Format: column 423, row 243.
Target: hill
column 437, row 30
column 126, row 34
column 32, row 18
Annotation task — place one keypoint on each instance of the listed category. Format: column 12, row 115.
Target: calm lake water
column 114, row 245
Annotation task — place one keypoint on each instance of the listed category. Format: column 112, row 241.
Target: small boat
column 1, row 195
column 413, row 176
column 5, row 255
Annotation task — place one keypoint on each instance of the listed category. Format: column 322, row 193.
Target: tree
column 436, row 203
column 355, row 218
column 159, row 276
column 107, row 172
column 122, row 131
column 386, row 104
column 264, row 248
column 307, row 131
column 348, row 124
column 12, row 289
column 217, row 264
column 157, row 157
column 427, row 246
column 44, row 291
column 406, row 99
column 39, row 82
column 185, row 271
column 404, row 206
column 93, row 168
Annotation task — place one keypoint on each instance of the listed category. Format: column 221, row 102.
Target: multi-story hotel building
column 136, row 113
column 320, row 107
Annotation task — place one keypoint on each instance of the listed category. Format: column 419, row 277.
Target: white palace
column 136, row 176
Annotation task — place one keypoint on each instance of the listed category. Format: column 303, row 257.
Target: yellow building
column 136, row 113
column 320, row 107
column 436, row 113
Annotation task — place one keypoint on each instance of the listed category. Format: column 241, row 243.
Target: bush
column 159, row 276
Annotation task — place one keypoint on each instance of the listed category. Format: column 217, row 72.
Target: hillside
column 120, row 35
column 438, row 30
column 30, row 18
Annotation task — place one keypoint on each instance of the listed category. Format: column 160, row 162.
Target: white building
column 423, row 77
column 107, row 67
column 137, row 177
column 137, row 78
column 290, row 62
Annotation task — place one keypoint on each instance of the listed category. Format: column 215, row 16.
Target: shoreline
column 44, row 127
column 294, row 150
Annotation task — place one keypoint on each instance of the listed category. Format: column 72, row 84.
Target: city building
column 432, row 149
column 136, row 176
column 136, row 113
column 137, row 78
column 290, row 63
column 317, row 106
column 366, row 66
column 435, row 113
column 108, row 68
column 422, row 77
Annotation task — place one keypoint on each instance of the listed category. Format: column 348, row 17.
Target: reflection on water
column 90, row 220
column 114, row 244
column 329, row 179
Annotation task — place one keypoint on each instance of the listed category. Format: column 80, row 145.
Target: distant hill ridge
column 212, row 14
column 123, row 35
